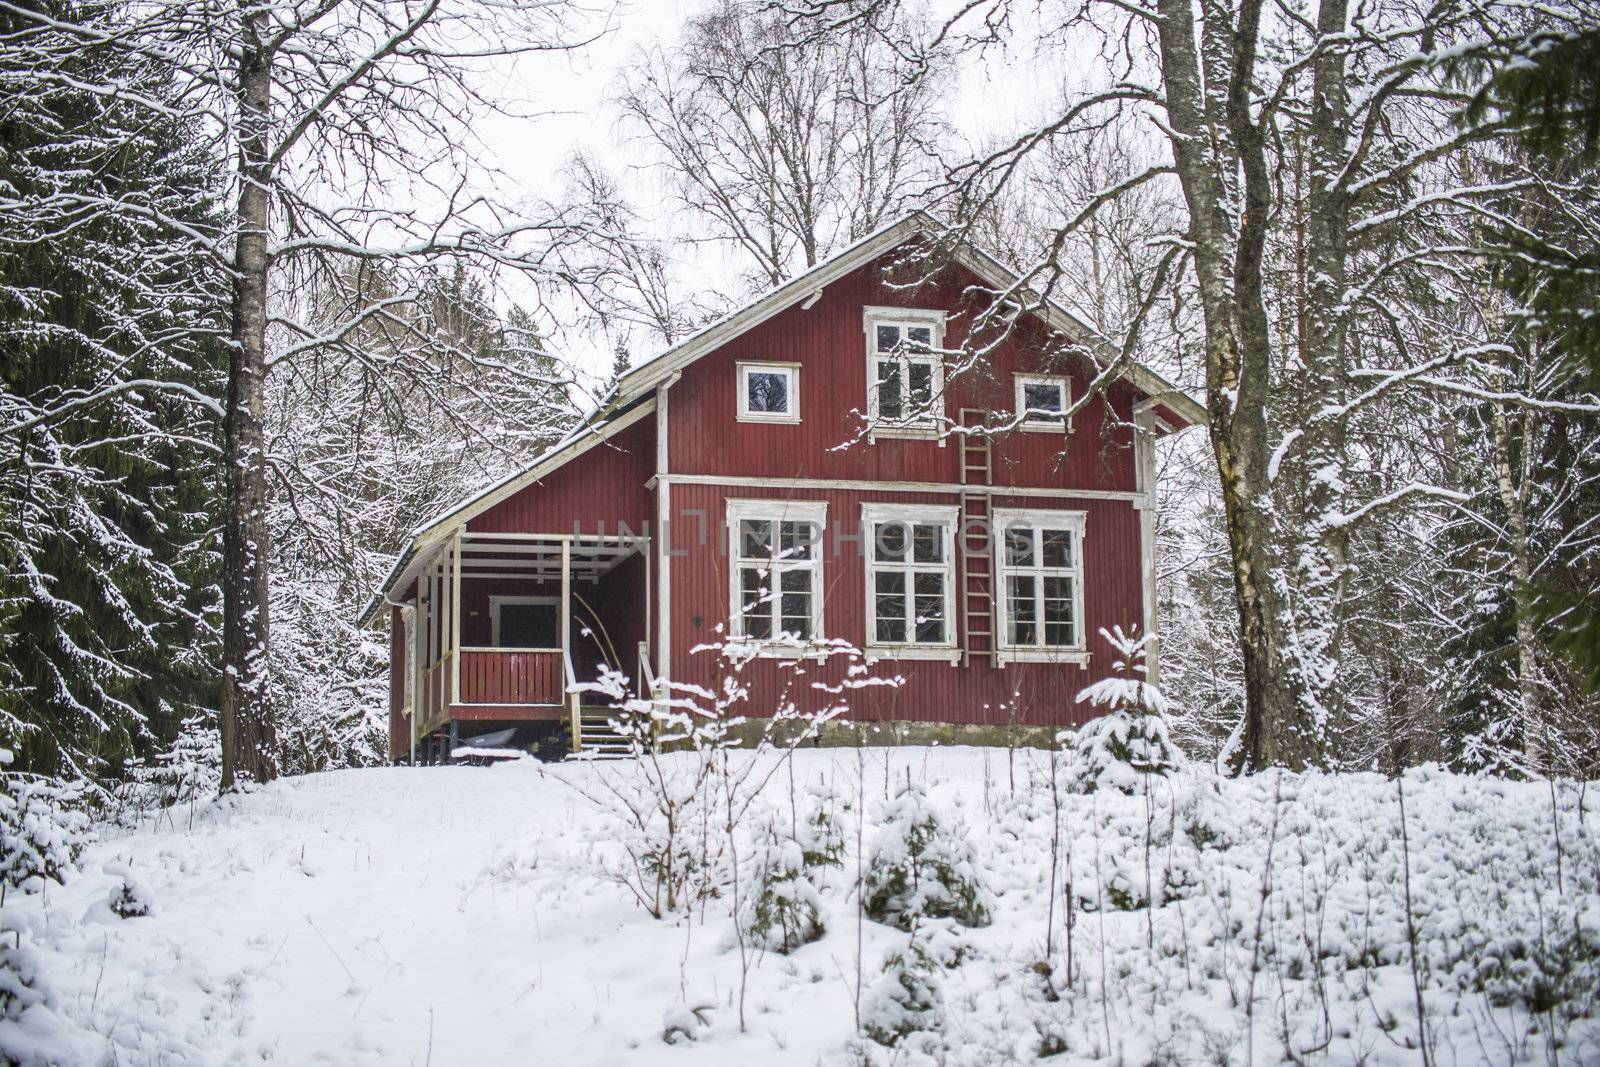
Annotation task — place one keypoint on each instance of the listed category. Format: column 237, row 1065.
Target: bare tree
column 786, row 146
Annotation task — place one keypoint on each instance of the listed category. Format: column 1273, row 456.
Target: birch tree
column 785, row 146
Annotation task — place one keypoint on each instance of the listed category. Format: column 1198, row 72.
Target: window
column 910, row 575
column 1041, row 399
column 776, row 581
column 905, row 373
column 769, row 392
column 1041, row 583
column 524, row 622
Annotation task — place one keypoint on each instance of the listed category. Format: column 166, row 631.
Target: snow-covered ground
column 473, row 916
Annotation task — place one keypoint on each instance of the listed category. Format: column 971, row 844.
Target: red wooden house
column 794, row 472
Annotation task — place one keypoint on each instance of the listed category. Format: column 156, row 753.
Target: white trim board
column 864, row 485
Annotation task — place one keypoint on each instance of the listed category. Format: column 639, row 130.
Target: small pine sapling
column 907, row 1000
column 782, row 908
column 1130, row 742
column 921, row 867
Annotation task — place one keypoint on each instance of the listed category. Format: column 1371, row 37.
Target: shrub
column 920, row 868
column 782, row 909
column 1130, row 741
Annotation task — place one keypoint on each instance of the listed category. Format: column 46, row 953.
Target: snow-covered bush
column 782, row 907
column 43, row 828
column 1130, row 741
column 21, row 984
column 684, row 1023
column 921, row 867
column 907, row 999
column 821, row 837
column 187, row 773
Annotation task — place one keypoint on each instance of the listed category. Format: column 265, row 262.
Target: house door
column 527, row 622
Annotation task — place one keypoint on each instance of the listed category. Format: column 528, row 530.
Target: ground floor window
column 775, row 547
column 910, row 575
column 1040, row 563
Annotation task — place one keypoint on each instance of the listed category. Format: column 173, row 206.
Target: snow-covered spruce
column 43, row 828
column 906, row 1001
column 1129, row 742
column 921, row 867
column 782, row 905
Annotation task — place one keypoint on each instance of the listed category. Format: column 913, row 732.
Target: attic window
column 769, row 392
column 905, row 372
column 1041, row 401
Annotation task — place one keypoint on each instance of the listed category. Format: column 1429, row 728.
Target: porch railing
column 433, row 695
column 511, row 676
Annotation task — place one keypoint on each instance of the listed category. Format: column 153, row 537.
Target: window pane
column 1059, row 626
column 755, row 603
column 1057, row 547
column 1022, row 616
column 921, row 385
column 1019, row 547
column 889, row 601
column 888, row 337
column 768, row 391
column 930, row 608
column 889, row 542
column 891, row 404
column 921, row 336
column 794, row 602
column 1042, row 396
column 797, row 540
column 755, row 539
column 927, row 544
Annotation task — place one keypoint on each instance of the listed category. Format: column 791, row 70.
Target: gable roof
column 876, row 244
column 633, row 396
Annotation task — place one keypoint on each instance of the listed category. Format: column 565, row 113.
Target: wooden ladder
column 972, row 541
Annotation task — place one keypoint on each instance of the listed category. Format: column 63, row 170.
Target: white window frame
column 873, row 317
column 776, row 511
column 790, row 370
column 497, row 602
column 1075, row 521
column 1042, row 423
column 946, row 516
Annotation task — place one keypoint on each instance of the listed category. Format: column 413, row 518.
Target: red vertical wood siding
column 590, row 494
column 829, row 343
column 933, row 691
column 500, row 677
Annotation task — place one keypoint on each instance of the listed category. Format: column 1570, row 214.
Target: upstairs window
column 905, row 373
column 776, row 581
column 910, row 575
column 769, row 392
column 1041, row 582
column 1041, row 401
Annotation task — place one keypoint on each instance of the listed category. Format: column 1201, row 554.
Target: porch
column 500, row 629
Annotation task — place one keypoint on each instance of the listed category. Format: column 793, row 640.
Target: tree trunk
column 246, row 719
column 1215, row 145
column 1513, row 497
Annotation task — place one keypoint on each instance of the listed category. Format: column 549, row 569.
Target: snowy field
column 483, row 916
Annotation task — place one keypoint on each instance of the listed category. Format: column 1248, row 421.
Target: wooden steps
column 597, row 738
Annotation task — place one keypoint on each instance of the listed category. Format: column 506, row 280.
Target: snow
column 456, row 915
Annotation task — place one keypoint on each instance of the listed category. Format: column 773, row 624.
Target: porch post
column 569, row 699
column 455, row 619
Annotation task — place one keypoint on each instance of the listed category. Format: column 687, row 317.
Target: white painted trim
column 814, row 512
column 948, row 517
column 1144, row 452
column 495, row 603
column 663, row 489
column 871, row 486
column 791, row 371
column 1003, row 519
column 937, row 653
column 1055, row 426
column 875, row 313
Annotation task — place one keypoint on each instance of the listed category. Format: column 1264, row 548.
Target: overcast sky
column 569, row 96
